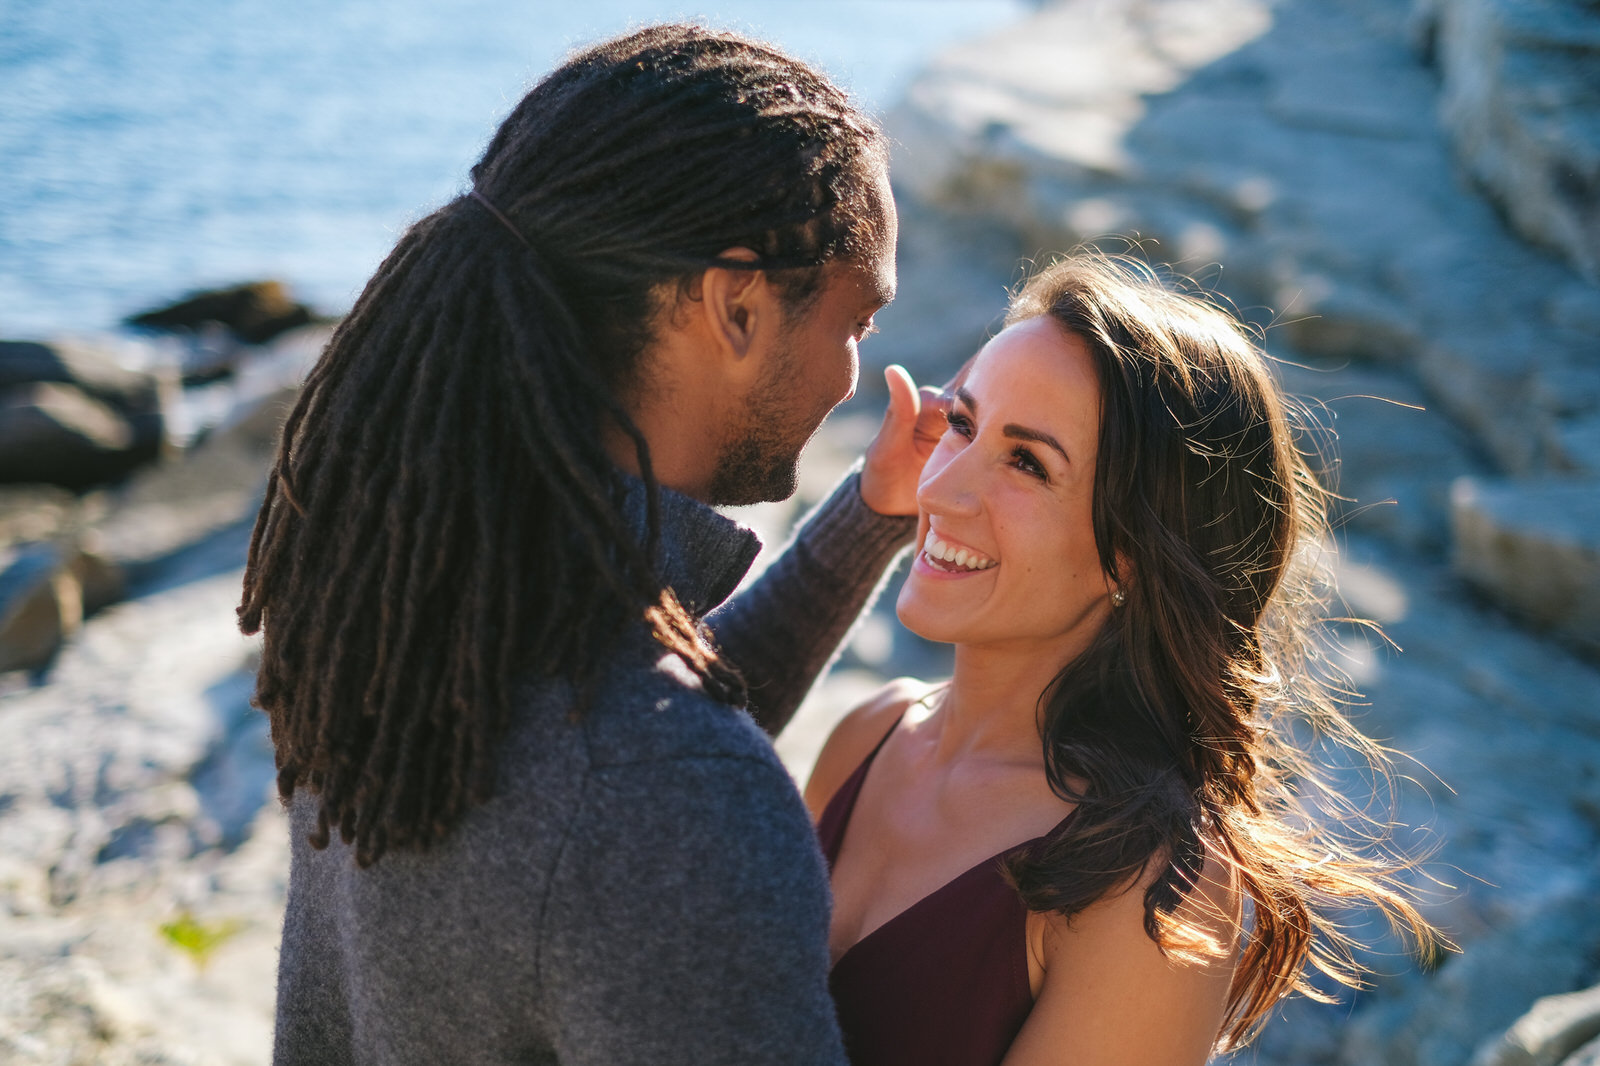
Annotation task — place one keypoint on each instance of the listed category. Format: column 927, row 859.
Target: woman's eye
column 959, row 423
column 1023, row 459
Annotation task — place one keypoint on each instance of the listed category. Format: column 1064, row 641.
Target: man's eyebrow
column 882, row 293
column 1014, row 431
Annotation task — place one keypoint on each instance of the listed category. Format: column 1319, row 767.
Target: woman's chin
column 926, row 620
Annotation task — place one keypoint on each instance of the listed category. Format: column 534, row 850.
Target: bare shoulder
column 1212, row 909
column 857, row 733
column 1098, row 974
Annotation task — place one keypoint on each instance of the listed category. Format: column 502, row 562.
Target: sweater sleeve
column 687, row 922
column 783, row 629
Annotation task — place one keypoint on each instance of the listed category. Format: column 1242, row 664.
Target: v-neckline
column 854, row 785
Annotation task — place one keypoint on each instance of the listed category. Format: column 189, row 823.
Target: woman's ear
column 1119, row 586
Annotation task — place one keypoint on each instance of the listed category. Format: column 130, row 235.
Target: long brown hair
column 1188, row 720
column 442, row 514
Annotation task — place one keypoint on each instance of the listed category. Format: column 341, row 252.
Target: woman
column 1119, row 537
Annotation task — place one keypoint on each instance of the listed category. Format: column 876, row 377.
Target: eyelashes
column 1021, row 457
column 959, row 423
column 1024, row 460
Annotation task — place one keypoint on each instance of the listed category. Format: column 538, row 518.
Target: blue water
column 150, row 147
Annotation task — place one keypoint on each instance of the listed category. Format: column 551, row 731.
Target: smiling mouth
column 951, row 559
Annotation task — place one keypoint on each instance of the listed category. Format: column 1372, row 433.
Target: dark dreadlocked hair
column 442, row 514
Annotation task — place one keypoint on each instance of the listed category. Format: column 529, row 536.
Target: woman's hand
column 911, row 427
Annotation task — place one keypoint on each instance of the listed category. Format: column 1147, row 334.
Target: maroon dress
column 945, row 981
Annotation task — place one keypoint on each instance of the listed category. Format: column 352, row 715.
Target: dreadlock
column 442, row 515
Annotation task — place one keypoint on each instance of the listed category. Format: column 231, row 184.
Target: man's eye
column 865, row 330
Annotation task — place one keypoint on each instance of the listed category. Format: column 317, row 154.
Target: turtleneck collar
column 702, row 555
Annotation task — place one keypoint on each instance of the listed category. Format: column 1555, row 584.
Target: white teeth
column 935, row 548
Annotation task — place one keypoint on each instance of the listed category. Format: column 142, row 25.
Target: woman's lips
column 941, row 556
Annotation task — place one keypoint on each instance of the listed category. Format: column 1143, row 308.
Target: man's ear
column 735, row 303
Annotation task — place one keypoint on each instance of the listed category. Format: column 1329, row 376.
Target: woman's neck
column 991, row 706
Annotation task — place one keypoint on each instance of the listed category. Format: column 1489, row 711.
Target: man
column 530, row 822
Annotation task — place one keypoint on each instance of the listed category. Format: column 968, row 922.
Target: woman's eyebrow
column 1011, row 429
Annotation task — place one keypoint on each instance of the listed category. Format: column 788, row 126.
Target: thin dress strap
column 836, row 815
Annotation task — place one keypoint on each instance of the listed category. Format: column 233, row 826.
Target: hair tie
column 504, row 221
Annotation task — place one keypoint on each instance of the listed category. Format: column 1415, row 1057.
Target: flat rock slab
column 135, row 789
column 1556, row 1027
column 1535, row 548
column 1288, row 153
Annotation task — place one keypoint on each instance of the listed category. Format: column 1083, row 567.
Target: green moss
column 198, row 939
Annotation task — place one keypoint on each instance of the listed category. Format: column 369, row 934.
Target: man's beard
column 756, row 469
column 760, row 460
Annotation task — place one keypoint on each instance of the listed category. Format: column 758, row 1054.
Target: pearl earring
column 1118, row 597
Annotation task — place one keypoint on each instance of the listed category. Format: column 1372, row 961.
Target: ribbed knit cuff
column 855, row 541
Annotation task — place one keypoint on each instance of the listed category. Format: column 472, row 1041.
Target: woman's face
column 1011, row 485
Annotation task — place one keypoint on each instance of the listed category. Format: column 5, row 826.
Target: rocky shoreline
column 1407, row 188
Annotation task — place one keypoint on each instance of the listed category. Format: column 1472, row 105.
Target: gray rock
column 1547, row 1035
column 1387, row 453
column 134, row 789
column 255, row 312
column 1520, row 98
column 96, row 365
column 1289, row 153
column 74, row 414
column 59, row 434
column 1588, row 1055
column 48, row 581
column 1547, row 950
column 952, row 294
column 41, row 603
column 167, row 508
column 1535, row 548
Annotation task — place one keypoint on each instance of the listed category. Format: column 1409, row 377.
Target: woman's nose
column 949, row 488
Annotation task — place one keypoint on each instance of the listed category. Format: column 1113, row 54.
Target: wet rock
column 1547, row 1035
column 254, row 312
column 1534, row 548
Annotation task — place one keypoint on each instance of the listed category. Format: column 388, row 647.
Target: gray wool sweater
column 645, row 885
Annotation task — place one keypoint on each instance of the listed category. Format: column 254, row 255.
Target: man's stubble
column 760, row 458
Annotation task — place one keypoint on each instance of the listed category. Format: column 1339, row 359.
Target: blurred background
column 1403, row 196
